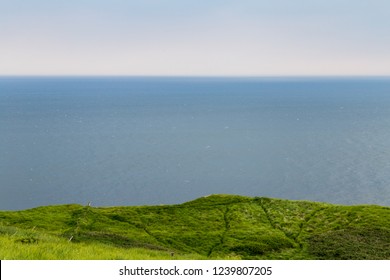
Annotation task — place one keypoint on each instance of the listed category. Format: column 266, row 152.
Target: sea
column 112, row 141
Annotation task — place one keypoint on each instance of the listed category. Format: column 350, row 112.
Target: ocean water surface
column 137, row 141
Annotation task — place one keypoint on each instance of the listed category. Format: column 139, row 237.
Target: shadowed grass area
column 357, row 243
column 212, row 227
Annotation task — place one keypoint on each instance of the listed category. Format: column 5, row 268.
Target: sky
column 195, row 38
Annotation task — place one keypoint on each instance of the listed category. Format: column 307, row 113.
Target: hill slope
column 213, row 227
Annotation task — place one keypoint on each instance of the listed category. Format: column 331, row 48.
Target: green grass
column 213, row 227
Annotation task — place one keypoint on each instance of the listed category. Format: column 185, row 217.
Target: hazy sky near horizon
column 192, row 37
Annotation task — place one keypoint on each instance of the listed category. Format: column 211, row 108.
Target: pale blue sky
column 193, row 37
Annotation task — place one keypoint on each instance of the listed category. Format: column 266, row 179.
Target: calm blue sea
column 136, row 141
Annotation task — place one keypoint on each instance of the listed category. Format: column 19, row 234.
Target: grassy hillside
column 213, row 227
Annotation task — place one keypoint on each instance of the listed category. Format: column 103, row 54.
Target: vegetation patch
column 212, row 227
column 351, row 244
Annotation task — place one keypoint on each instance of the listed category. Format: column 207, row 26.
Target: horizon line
column 188, row 76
